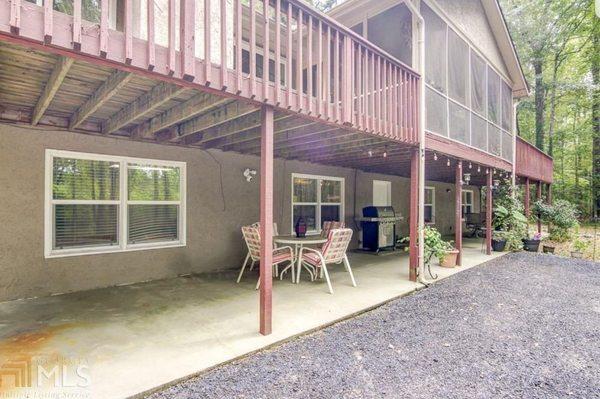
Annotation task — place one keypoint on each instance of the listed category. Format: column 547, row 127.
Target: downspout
column 514, row 145
column 421, row 68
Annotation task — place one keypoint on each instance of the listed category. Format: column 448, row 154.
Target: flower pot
column 548, row 249
column 498, row 245
column 531, row 245
column 450, row 259
column 576, row 254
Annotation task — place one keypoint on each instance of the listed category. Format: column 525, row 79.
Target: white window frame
column 123, row 202
column 432, row 205
column 465, row 204
column 317, row 204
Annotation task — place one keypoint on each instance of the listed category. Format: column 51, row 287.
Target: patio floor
column 132, row 339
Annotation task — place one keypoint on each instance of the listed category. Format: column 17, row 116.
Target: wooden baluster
column 128, row 32
column 328, row 76
column 224, row 68
column 299, row 64
column 277, row 52
column 77, row 25
column 290, row 42
column 187, row 13
column 150, row 23
column 320, row 70
column 378, row 95
column 336, row 76
column 238, row 45
column 383, row 69
column 266, row 51
column 372, row 91
column 207, row 43
column 48, row 20
column 395, row 102
column 252, row 48
column 365, row 90
column 172, row 33
column 309, row 73
column 359, row 85
column 390, row 87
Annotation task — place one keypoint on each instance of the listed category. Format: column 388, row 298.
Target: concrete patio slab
column 132, row 339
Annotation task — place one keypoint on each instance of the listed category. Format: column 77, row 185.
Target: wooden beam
column 213, row 118
column 266, row 222
column 104, row 93
column 539, row 197
column 141, row 106
column 488, row 213
column 199, row 104
column 61, row 68
column 356, row 147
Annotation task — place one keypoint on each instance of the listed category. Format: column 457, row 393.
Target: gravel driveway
column 521, row 326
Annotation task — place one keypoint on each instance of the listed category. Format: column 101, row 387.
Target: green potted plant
column 436, row 247
column 561, row 218
column 532, row 244
column 510, row 224
column 579, row 247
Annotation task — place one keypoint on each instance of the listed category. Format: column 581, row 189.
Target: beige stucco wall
column 213, row 226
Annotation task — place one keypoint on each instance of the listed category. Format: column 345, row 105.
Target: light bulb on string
column 470, row 165
column 448, row 162
column 435, row 156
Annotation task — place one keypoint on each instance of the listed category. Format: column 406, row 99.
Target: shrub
column 562, row 217
column 434, row 245
column 509, row 221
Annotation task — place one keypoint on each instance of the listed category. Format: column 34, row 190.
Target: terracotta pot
column 548, row 249
column 450, row 259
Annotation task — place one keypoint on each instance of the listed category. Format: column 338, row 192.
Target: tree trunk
column 539, row 103
column 596, row 119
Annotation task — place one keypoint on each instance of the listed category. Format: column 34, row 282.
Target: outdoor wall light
column 496, row 183
column 249, row 174
column 467, row 178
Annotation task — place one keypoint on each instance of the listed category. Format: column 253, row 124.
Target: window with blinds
column 98, row 203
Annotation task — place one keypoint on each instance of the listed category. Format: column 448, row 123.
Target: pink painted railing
column 533, row 163
column 323, row 69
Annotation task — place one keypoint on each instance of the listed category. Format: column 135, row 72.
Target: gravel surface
column 521, row 326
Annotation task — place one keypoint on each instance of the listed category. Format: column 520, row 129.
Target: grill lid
column 378, row 212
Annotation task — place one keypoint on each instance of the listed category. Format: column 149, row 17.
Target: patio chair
column 332, row 252
column 275, row 233
column 329, row 225
column 252, row 238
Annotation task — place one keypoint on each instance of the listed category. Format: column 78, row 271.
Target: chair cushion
column 282, row 257
column 312, row 258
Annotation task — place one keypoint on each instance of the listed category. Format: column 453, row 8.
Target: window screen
column 494, row 140
column 478, row 132
column 507, row 146
column 478, row 84
column 435, row 112
column 458, row 67
column 392, row 31
column 459, row 123
column 435, row 49
column 507, row 108
column 493, row 96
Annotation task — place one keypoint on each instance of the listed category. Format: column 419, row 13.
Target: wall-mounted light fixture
column 496, row 183
column 467, row 178
column 249, row 174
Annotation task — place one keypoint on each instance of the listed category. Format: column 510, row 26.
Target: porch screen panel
column 85, row 203
column 153, row 203
column 478, row 132
column 478, row 84
column 458, row 68
column 507, row 146
column 507, row 108
column 493, row 96
column 435, row 49
column 436, row 112
column 494, row 140
column 392, row 31
column 459, row 123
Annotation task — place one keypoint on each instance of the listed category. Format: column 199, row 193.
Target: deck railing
column 533, row 163
column 314, row 65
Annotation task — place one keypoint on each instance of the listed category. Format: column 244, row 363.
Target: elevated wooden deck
column 532, row 163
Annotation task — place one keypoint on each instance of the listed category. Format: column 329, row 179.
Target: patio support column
column 414, row 215
column 266, row 220
column 488, row 214
column 526, row 195
column 458, row 212
column 538, row 197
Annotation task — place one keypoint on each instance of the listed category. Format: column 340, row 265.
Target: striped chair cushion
column 282, row 257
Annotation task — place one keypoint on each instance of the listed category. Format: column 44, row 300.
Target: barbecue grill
column 379, row 227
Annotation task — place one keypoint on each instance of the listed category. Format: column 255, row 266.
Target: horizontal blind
column 85, row 225
column 83, row 179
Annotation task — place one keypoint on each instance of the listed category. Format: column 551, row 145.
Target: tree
column 325, row 5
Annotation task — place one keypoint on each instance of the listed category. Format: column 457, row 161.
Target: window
column 458, row 68
column 467, row 202
column 436, row 118
column 317, row 199
column 478, row 84
column 430, row 205
column 493, row 96
column 98, row 203
column 435, row 49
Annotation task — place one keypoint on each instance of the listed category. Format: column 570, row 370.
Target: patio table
column 298, row 243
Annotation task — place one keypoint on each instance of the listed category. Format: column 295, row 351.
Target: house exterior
column 126, row 156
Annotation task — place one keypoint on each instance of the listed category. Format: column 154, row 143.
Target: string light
column 370, row 153
column 435, row 156
column 487, row 171
column 478, row 169
column 385, row 154
column 448, row 162
column 470, row 165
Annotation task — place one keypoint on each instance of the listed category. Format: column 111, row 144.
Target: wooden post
column 266, row 220
column 488, row 214
column 538, row 197
column 414, row 215
column 526, row 195
column 549, row 196
column 458, row 212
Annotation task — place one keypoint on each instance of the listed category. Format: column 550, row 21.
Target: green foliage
column 509, row 221
column 434, row 245
column 580, row 245
column 562, row 216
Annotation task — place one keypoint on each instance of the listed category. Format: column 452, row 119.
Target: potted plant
column 498, row 240
column 579, row 246
column 548, row 248
column 436, row 247
column 510, row 224
column 532, row 244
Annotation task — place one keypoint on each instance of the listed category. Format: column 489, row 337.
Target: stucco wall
column 213, row 225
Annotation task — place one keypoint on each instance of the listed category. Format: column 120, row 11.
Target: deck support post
column 266, row 220
column 414, row 215
column 526, row 196
column 458, row 212
column 538, row 196
column 489, row 196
